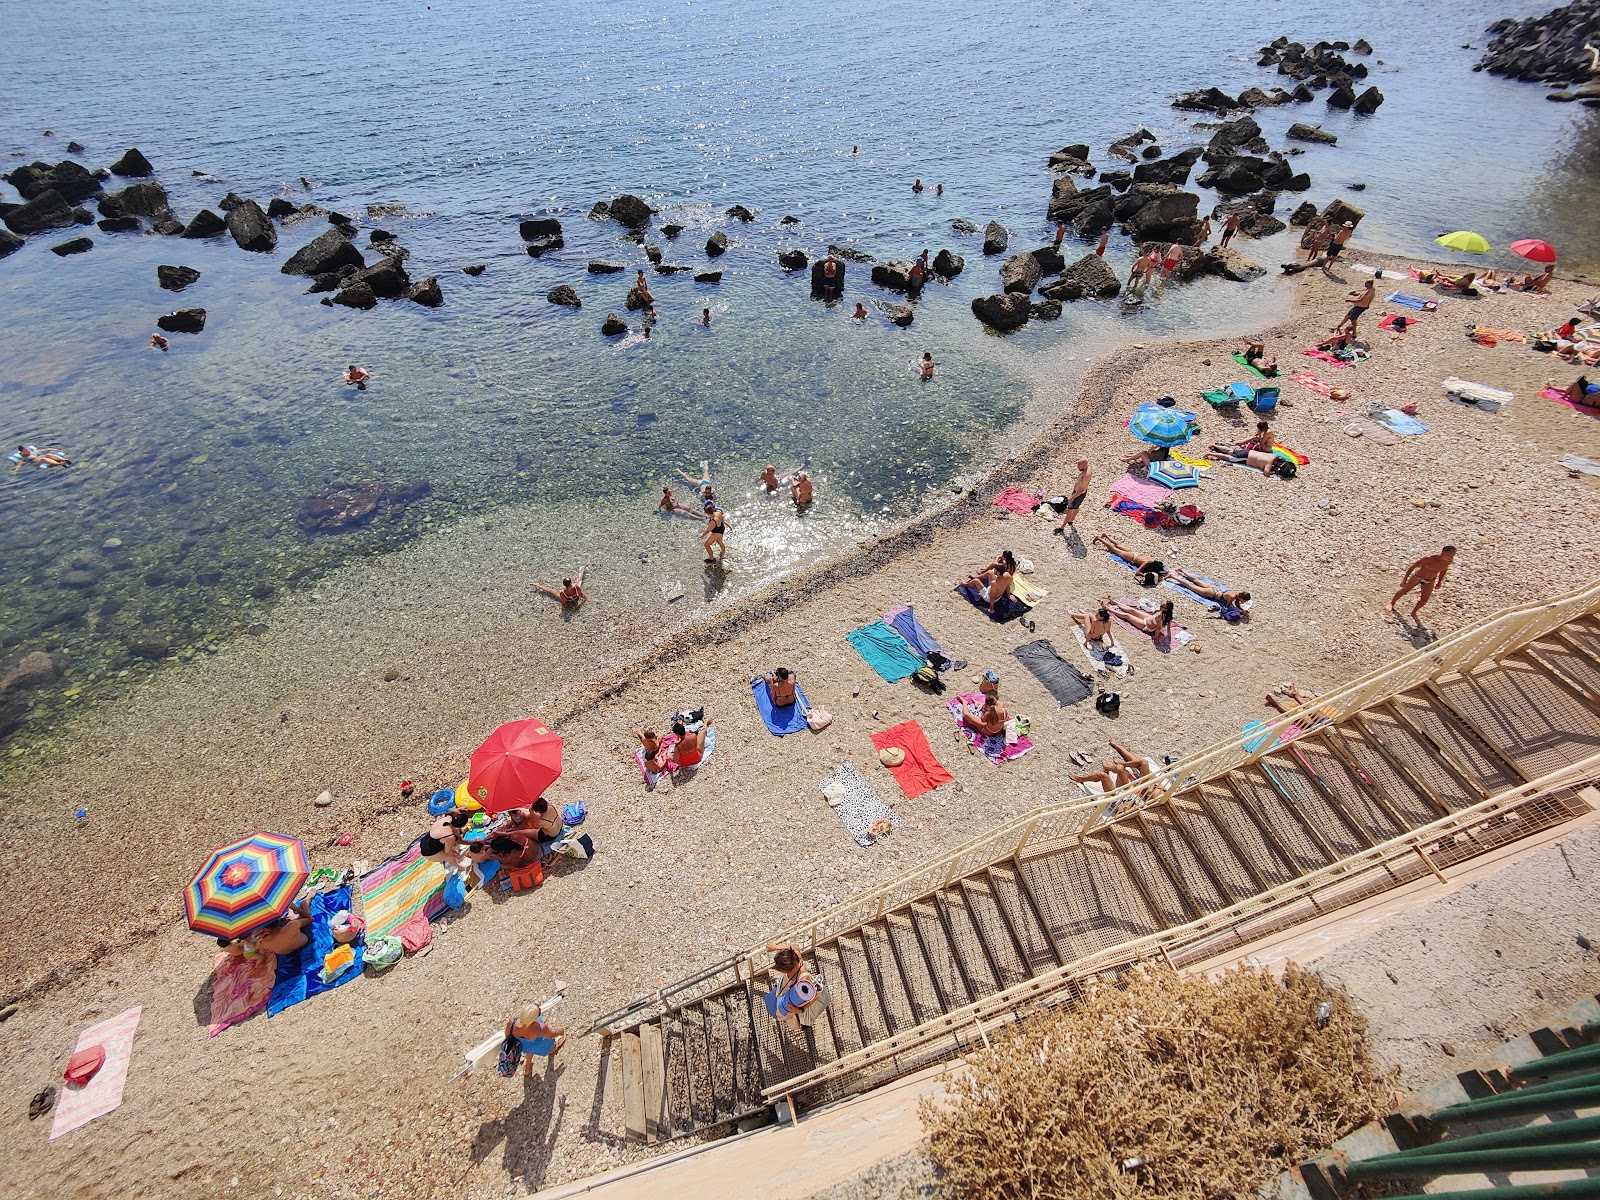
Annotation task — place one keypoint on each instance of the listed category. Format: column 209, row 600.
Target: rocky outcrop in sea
column 1562, row 47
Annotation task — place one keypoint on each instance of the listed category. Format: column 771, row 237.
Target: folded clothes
column 919, row 771
column 994, row 746
column 1391, row 321
column 1028, row 593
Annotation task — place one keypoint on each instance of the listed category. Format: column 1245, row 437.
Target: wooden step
column 1204, row 890
column 653, row 1078
column 1230, row 866
column 993, row 923
column 633, row 1103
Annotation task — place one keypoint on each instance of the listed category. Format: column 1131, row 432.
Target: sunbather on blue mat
column 784, row 718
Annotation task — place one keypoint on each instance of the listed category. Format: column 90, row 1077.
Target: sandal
column 43, row 1101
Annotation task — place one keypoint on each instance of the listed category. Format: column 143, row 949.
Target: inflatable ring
column 464, row 799
column 442, row 802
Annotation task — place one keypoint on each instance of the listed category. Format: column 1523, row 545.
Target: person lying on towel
column 1126, row 769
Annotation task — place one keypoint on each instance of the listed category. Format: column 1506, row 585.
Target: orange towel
column 921, row 771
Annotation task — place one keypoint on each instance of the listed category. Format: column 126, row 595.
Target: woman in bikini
column 1156, row 624
column 690, row 748
column 570, row 593
column 1255, row 353
column 990, row 720
column 716, row 526
column 1096, row 626
column 1080, row 493
column 1149, row 571
column 1227, row 597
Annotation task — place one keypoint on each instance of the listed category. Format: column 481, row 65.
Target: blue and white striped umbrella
column 1162, row 426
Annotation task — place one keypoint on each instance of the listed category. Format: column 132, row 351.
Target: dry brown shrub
column 1163, row 1085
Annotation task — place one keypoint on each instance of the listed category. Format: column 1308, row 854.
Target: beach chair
column 1221, row 399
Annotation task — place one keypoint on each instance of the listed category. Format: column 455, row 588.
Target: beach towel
column 1220, row 398
column 1479, row 394
column 1019, row 501
column 1251, row 367
column 1065, row 683
column 239, row 988
column 1389, row 320
column 1576, row 462
column 993, row 746
column 920, row 771
column 1030, row 594
column 1324, row 356
column 651, row 778
column 1407, row 300
column 885, row 650
column 1560, row 397
column 859, row 808
column 787, row 718
column 1499, row 335
column 299, row 975
column 1150, row 518
column 1142, row 490
column 399, row 888
column 1008, row 609
column 903, row 620
column 1294, row 456
column 1307, row 380
column 77, row 1106
column 1199, row 464
column 1367, row 427
column 1175, row 637
column 1100, row 654
column 1399, row 422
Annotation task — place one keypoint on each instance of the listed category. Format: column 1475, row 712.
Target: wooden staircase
column 1455, row 750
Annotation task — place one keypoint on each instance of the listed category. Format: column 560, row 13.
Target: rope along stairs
column 1485, row 737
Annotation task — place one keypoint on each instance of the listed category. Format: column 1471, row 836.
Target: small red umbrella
column 1534, row 250
column 514, row 766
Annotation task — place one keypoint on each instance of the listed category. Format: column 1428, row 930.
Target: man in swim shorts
column 1427, row 573
column 800, row 489
column 1080, row 493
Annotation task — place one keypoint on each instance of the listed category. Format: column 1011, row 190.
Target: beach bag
column 574, row 813
column 1108, row 703
column 927, row 677
column 818, row 718
column 1232, row 613
column 81, row 1067
column 1057, row 503
column 579, row 847
column 510, row 1055
column 455, row 891
column 382, row 952
column 1189, row 515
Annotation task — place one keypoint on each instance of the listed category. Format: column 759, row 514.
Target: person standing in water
column 705, row 317
column 800, row 490
column 927, row 365
column 716, row 526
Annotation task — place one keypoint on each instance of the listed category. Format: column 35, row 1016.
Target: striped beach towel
column 1307, row 380
column 399, row 888
column 102, row 1094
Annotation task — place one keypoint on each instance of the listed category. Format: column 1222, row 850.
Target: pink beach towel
column 1307, row 380
column 1018, row 501
column 651, row 778
column 994, row 748
column 239, row 988
column 102, row 1094
column 1142, row 490
column 1560, row 397
column 1176, row 637
column 1324, row 356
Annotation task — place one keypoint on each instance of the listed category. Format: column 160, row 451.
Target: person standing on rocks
column 1427, row 573
column 1336, row 244
column 1205, row 232
column 1100, row 248
column 1169, row 264
column 1229, row 228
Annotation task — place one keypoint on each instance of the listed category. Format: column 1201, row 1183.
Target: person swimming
column 357, row 376
column 26, row 455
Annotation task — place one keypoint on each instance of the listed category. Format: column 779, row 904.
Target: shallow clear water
column 472, row 115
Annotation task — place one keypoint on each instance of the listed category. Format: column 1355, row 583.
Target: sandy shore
column 345, row 1095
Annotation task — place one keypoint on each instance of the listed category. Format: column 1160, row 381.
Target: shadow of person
column 532, row 1127
column 202, row 1001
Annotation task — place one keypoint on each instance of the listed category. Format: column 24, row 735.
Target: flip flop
column 43, row 1101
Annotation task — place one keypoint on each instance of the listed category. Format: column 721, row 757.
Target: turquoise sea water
column 473, row 115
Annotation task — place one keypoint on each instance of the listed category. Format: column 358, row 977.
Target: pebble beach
column 366, row 681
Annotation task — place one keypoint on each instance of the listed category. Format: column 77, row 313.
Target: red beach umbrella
column 514, row 766
column 1534, row 250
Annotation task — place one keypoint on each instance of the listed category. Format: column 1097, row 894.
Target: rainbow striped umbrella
column 246, row 884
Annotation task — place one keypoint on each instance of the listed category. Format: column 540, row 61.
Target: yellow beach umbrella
column 1466, row 242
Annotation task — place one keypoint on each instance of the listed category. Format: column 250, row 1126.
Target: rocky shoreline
column 1560, row 49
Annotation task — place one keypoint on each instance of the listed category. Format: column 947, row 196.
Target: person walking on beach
column 1427, row 573
column 1080, row 493
column 534, row 1035
column 570, row 593
column 1321, row 235
column 1229, row 228
column 1359, row 303
column 716, row 526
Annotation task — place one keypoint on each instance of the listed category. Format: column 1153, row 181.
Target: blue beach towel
column 780, row 719
column 886, row 651
column 1397, row 421
column 299, row 975
column 1409, row 301
column 1009, row 608
column 903, row 620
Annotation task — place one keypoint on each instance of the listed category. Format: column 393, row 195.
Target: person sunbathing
column 1577, row 392
column 570, row 593
column 1267, row 463
column 285, row 935
column 690, row 748
column 1096, row 625
column 33, row 456
column 1255, row 354
column 1156, row 624
column 1229, row 598
column 1125, row 770
column 654, row 757
column 1148, row 571
column 990, row 720
column 780, row 686
column 669, row 504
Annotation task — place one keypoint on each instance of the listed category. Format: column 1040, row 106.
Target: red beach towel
column 921, row 771
column 1018, row 501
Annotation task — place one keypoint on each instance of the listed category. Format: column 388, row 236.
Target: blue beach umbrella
column 1162, row 426
column 1176, row 475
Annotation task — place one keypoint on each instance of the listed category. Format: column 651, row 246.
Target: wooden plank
column 1038, row 913
column 1557, row 675
column 1011, row 928
column 1243, row 859
column 1264, row 828
column 927, row 958
column 1183, row 835
column 632, row 1087
column 983, row 942
column 654, row 1079
column 955, row 947
column 1472, row 727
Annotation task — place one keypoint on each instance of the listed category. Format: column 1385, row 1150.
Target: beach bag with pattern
column 510, row 1054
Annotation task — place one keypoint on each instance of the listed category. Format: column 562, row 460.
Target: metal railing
column 1506, row 631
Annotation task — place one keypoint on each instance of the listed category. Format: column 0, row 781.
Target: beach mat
column 240, row 987
column 77, row 1106
column 299, row 975
column 994, row 746
column 1398, row 422
column 1476, row 395
column 861, row 807
column 779, row 719
column 1576, row 462
column 1097, row 652
column 1019, row 501
column 1324, row 356
column 921, row 771
column 1065, row 683
column 885, row 651
column 1309, row 381
column 1368, row 428
column 1142, row 490
column 1560, row 397
column 1030, row 594
column 651, row 778
column 902, row 618
column 1251, row 367
column 1008, row 609
column 1176, row 636
column 399, row 888
column 1408, row 300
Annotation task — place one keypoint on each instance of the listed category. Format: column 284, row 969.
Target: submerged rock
column 613, row 325
column 358, row 295
column 630, row 210
column 948, row 265
column 792, row 260
column 899, row 314
column 183, row 320
column 601, row 266
column 539, row 227
column 740, row 213
column 426, row 292
column 671, row 231
column 278, row 207
column 708, row 277
column 10, row 243
column 474, row 269
column 175, row 279
column 1301, row 132
column 962, row 225
column 118, row 224
column 69, row 180
column 345, row 505
column 75, row 246
column 850, row 254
